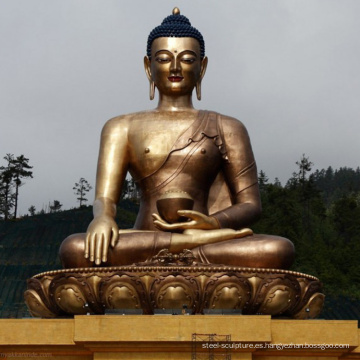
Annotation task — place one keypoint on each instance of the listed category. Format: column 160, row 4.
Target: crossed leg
column 220, row 246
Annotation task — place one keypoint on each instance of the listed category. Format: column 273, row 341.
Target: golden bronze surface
column 149, row 287
column 171, row 202
column 177, row 148
column 199, row 194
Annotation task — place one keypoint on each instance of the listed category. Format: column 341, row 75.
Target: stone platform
column 129, row 337
column 197, row 287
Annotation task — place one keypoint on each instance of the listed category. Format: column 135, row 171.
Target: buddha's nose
column 175, row 66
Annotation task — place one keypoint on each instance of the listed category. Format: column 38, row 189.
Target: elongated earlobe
column 198, row 90
column 204, row 63
column 148, row 74
column 152, row 90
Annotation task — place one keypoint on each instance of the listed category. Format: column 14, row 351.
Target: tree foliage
column 55, row 206
column 81, row 189
column 21, row 170
column 320, row 212
column 11, row 179
column 6, row 191
column 130, row 191
column 32, row 210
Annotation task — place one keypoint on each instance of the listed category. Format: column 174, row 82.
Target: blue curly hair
column 175, row 25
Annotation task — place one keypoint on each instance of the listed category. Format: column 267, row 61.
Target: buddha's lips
column 175, row 78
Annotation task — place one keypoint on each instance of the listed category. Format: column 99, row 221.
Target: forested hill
column 319, row 211
column 335, row 184
column 30, row 245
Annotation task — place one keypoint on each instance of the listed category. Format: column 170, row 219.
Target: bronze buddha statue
column 176, row 149
column 190, row 244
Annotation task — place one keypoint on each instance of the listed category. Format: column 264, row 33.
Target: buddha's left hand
column 197, row 220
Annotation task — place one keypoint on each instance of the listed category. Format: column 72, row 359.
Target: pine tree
column 11, row 179
column 81, row 188
column 55, row 207
column 32, row 210
column 263, row 180
column 6, row 187
column 20, row 169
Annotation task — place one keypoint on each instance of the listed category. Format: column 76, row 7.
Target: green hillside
column 30, row 245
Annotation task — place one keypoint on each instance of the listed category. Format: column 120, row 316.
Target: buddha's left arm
column 241, row 177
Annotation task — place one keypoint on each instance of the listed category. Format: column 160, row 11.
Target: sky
column 288, row 69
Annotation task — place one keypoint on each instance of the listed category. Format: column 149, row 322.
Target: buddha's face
column 175, row 65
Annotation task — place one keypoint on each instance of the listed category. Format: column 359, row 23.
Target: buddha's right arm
column 102, row 231
column 111, row 171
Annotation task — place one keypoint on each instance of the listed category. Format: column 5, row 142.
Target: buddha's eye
column 188, row 60
column 162, row 59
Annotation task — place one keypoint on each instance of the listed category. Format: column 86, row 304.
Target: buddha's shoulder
column 230, row 123
column 127, row 119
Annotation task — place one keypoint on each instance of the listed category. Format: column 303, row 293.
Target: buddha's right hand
column 101, row 233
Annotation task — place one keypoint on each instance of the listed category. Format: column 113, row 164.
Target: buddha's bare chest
column 157, row 140
column 151, row 143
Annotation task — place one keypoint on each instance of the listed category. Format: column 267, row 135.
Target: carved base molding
column 253, row 291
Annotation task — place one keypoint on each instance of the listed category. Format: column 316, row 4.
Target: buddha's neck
column 175, row 103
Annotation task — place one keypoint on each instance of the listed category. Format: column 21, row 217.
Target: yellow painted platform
column 112, row 337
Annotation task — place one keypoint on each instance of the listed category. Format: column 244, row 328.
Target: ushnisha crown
column 176, row 25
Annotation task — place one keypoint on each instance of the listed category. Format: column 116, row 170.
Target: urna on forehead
column 177, row 26
column 176, row 45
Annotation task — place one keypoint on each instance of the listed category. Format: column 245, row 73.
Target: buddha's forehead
column 175, row 45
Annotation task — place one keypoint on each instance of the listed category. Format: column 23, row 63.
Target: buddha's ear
column 204, row 63
column 147, row 64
